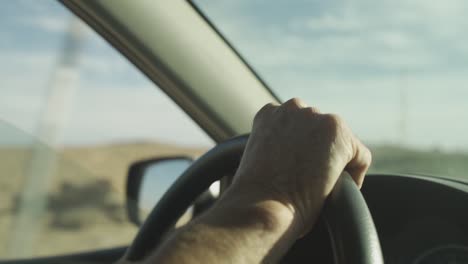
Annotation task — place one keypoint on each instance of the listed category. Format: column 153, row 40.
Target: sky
column 396, row 70
column 107, row 100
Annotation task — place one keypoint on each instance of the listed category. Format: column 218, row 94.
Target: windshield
column 396, row 70
column 74, row 115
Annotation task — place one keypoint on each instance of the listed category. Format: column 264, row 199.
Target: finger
column 360, row 162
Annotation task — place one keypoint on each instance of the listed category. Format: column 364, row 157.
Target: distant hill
column 86, row 203
column 395, row 159
column 86, row 208
column 112, row 161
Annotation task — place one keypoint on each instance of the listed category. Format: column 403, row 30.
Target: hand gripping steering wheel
column 345, row 215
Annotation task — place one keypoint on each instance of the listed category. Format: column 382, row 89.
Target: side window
column 73, row 115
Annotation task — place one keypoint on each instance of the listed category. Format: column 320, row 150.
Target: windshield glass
column 396, row 70
column 74, row 115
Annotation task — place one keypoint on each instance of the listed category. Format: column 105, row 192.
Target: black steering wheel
column 345, row 215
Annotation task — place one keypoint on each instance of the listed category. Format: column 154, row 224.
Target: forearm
column 240, row 228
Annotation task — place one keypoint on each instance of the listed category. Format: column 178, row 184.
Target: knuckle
column 294, row 103
column 332, row 121
column 264, row 110
column 312, row 110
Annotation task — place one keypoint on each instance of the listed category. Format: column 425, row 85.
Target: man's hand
column 295, row 155
column 291, row 163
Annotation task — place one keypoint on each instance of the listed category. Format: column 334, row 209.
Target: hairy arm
column 239, row 229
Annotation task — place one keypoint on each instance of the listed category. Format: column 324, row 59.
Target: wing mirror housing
column 148, row 180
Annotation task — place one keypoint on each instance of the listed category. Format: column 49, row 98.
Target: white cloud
column 104, row 65
column 51, row 24
column 383, row 35
column 112, row 114
column 17, row 59
column 129, row 113
column 98, row 112
column 328, row 22
column 354, row 57
column 58, row 24
column 112, row 101
column 351, row 58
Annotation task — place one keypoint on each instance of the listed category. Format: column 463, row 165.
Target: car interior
column 396, row 217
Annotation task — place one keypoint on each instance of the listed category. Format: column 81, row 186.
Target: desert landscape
column 86, row 198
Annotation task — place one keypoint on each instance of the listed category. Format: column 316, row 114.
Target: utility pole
column 38, row 179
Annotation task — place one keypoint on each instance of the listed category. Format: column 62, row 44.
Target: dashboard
column 444, row 254
column 420, row 219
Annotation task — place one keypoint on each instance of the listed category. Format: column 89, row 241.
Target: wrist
column 262, row 209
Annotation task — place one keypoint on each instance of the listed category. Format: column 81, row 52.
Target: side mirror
column 148, row 180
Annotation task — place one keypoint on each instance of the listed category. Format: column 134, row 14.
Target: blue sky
column 110, row 101
column 396, row 70
column 355, row 58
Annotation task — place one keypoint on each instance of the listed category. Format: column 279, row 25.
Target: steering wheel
column 345, row 214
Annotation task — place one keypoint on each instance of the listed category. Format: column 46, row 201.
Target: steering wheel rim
column 346, row 215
